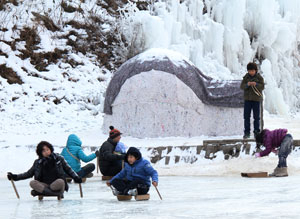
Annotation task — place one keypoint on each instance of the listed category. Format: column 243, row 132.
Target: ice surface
column 183, row 197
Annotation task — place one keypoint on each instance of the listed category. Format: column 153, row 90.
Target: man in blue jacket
column 134, row 179
column 73, row 153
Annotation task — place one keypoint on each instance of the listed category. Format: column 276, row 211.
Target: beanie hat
column 114, row 132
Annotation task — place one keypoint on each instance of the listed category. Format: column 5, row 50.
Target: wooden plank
column 124, row 197
column 104, row 178
column 227, row 141
column 255, row 175
column 142, row 197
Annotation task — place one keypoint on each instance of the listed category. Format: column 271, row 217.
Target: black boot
column 246, row 136
column 35, row 193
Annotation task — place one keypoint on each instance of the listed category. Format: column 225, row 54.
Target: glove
column 78, row 179
column 122, row 156
column 97, row 153
column 257, row 155
column 11, row 176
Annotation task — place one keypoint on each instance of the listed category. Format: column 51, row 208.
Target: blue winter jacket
column 74, row 146
column 140, row 169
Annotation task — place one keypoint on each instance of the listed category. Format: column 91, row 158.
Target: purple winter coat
column 272, row 140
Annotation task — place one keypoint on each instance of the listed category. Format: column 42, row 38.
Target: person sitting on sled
column 48, row 171
column 277, row 141
column 110, row 163
column 73, row 153
column 134, row 179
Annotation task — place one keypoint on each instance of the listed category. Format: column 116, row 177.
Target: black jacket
column 36, row 170
column 107, row 158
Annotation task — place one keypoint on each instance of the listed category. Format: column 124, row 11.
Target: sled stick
column 256, row 91
column 158, row 193
column 80, row 188
column 14, row 186
column 97, row 164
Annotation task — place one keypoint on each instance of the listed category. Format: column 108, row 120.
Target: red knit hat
column 114, row 132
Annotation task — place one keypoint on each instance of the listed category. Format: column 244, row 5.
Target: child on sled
column 134, row 179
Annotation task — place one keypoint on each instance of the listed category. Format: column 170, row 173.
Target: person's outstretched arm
column 82, row 156
column 28, row 174
column 151, row 171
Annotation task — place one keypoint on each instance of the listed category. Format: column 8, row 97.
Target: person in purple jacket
column 279, row 142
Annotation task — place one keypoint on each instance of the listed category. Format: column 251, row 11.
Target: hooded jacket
column 141, row 169
column 272, row 140
column 74, row 147
column 61, row 168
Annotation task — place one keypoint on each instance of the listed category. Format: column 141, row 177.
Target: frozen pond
column 183, row 197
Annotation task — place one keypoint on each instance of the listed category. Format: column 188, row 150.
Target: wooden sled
column 137, row 197
column 41, row 197
column 142, row 197
column 124, row 197
column 255, row 175
column 105, row 178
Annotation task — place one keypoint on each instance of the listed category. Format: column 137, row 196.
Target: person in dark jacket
column 253, row 85
column 279, row 142
column 108, row 160
column 134, row 179
column 48, row 171
column 73, row 154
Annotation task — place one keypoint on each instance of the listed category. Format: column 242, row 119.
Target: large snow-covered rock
column 159, row 93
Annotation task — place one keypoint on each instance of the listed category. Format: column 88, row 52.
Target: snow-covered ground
column 20, row 158
column 183, row 197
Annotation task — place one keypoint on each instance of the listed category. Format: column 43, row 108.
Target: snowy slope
column 60, row 82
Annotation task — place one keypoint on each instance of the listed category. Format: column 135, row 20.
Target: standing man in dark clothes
column 253, row 85
column 107, row 159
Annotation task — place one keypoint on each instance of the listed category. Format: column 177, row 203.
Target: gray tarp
column 209, row 91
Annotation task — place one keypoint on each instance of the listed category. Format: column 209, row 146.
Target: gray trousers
column 284, row 150
column 57, row 186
